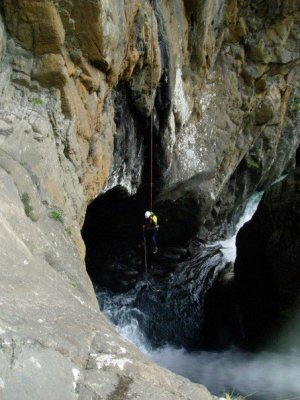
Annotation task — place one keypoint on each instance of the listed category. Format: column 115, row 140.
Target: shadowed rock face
column 267, row 274
column 221, row 80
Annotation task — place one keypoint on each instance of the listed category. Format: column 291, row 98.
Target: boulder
column 37, row 26
column 51, row 71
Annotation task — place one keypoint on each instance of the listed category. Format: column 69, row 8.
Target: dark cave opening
column 114, row 239
column 113, row 236
column 298, row 157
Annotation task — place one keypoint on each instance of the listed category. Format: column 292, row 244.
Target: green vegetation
column 27, row 206
column 232, row 396
column 57, row 215
column 36, row 101
column 251, row 163
column 69, row 230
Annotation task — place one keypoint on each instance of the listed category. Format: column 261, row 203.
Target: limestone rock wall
column 57, row 93
column 235, row 75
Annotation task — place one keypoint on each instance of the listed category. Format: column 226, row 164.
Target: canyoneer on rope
column 150, row 229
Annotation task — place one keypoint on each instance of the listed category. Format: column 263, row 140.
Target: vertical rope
column 145, row 251
column 151, row 136
column 151, row 114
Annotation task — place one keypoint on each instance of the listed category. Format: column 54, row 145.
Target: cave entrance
column 113, row 236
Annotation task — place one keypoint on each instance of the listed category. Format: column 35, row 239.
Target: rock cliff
column 78, row 82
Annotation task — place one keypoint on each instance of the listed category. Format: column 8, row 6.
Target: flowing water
column 228, row 247
column 164, row 319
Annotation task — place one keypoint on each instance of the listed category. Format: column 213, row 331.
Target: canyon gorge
column 106, row 105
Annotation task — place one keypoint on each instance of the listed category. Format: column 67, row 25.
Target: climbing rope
column 145, row 251
column 151, row 137
column 151, row 114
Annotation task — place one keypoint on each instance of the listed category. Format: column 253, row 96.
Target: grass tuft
column 57, row 215
column 36, row 101
column 25, row 198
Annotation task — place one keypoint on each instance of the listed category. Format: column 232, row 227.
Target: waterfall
column 127, row 318
column 228, row 247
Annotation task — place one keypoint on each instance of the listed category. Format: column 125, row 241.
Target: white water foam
column 131, row 331
column 228, row 247
column 247, row 373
